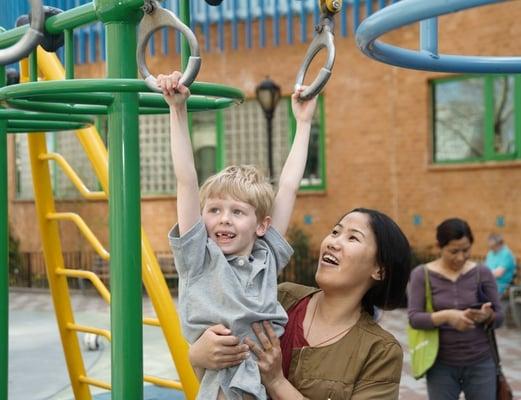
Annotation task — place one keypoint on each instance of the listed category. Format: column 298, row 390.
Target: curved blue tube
column 409, row 11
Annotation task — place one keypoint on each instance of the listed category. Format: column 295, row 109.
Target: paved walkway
column 37, row 368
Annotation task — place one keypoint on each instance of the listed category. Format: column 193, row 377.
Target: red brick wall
column 377, row 138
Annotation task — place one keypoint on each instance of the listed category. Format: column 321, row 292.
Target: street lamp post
column 268, row 95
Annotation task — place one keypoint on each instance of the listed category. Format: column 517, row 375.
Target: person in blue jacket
column 501, row 261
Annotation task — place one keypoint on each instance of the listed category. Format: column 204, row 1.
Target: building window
column 237, row 135
column 245, row 133
column 474, row 119
column 66, row 144
column 314, row 173
column 203, row 130
column 157, row 172
column 24, row 180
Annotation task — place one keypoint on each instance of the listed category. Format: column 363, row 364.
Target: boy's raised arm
column 293, row 169
column 176, row 94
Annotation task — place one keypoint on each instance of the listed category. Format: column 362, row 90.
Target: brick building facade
column 378, row 140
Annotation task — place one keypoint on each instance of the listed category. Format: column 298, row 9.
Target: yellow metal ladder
column 167, row 319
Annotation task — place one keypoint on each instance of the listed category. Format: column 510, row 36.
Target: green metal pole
column 184, row 15
column 4, row 256
column 124, row 203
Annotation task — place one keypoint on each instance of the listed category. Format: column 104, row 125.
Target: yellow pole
column 153, row 279
column 44, row 202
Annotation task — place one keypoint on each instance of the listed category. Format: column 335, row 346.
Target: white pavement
column 37, row 368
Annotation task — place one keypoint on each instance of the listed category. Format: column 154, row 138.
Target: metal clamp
column 155, row 18
column 29, row 40
column 323, row 39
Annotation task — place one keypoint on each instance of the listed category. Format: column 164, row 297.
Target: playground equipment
column 427, row 58
column 156, row 18
column 30, row 39
column 58, row 104
column 324, row 39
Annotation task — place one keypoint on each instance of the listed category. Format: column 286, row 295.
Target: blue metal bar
column 316, row 13
column 92, row 44
column 234, row 24
column 164, row 41
column 152, row 45
column 206, row 26
column 368, row 7
column 103, row 43
column 429, row 35
column 220, row 29
column 289, row 23
column 409, row 11
column 248, row 29
column 276, row 23
column 262, row 25
column 343, row 20
column 303, row 22
column 356, row 14
column 381, row 4
column 82, row 46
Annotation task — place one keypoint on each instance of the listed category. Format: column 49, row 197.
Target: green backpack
column 423, row 343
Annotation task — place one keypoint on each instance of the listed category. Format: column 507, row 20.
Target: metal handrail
column 84, row 229
column 73, row 176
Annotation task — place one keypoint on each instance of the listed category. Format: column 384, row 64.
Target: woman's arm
column 420, row 319
column 269, row 357
column 216, row 348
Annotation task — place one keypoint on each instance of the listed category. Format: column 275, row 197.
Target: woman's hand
column 269, row 355
column 303, row 110
column 174, row 92
column 481, row 316
column 216, row 348
column 460, row 320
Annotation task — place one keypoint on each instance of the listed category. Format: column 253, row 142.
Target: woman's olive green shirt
column 365, row 364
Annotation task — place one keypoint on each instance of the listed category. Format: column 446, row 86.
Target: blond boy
column 228, row 243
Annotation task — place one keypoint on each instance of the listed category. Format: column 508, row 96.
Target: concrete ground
column 37, row 368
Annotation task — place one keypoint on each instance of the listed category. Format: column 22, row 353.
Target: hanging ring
column 29, row 40
column 155, row 18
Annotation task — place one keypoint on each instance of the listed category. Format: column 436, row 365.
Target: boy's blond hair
column 244, row 183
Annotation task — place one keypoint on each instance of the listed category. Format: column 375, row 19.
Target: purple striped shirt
column 456, row 348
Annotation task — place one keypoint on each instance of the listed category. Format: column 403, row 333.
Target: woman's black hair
column 393, row 255
column 453, row 229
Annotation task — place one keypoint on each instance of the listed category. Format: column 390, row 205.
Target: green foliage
column 15, row 258
column 303, row 265
column 421, row 256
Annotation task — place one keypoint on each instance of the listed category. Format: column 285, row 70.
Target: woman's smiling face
column 348, row 254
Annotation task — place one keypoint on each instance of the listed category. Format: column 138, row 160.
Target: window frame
column 322, row 143
column 489, row 153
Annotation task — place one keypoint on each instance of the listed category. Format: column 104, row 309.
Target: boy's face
column 232, row 224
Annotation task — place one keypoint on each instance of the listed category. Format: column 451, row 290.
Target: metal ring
column 29, row 40
column 410, row 11
column 161, row 18
column 324, row 39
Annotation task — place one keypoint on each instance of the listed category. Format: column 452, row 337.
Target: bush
column 303, row 265
column 15, row 258
column 421, row 256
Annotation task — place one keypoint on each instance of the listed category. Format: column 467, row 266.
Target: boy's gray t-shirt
column 231, row 290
